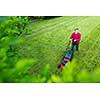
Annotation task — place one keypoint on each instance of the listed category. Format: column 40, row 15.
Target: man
column 75, row 38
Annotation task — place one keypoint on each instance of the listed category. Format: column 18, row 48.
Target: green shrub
column 10, row 30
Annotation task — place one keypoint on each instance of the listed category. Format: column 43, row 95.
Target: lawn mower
column 67, row 58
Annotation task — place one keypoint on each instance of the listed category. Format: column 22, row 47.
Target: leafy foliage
column 10, row 30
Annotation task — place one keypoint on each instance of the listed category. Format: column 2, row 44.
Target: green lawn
column 49, row 40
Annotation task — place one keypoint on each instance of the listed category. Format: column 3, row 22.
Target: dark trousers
column 77, row 47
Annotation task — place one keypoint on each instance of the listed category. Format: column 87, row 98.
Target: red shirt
column 76, row 37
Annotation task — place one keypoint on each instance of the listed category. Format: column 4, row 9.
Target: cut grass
column 49, row 40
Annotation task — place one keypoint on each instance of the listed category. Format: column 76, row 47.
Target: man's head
column 76, row 30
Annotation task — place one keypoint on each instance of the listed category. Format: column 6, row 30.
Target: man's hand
column 74, row 40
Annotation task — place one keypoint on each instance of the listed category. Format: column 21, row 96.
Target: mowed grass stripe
column 90, row 55
column 49, row 47
column 89, row 36
column 40, row 25
column 41, row 31
column 51, row 22
column 52, row 47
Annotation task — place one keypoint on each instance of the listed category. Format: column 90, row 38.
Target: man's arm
column 71, row 37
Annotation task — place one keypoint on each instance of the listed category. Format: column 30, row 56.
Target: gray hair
column 76, row 29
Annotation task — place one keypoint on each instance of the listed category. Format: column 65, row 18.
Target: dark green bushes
column 42, row 17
